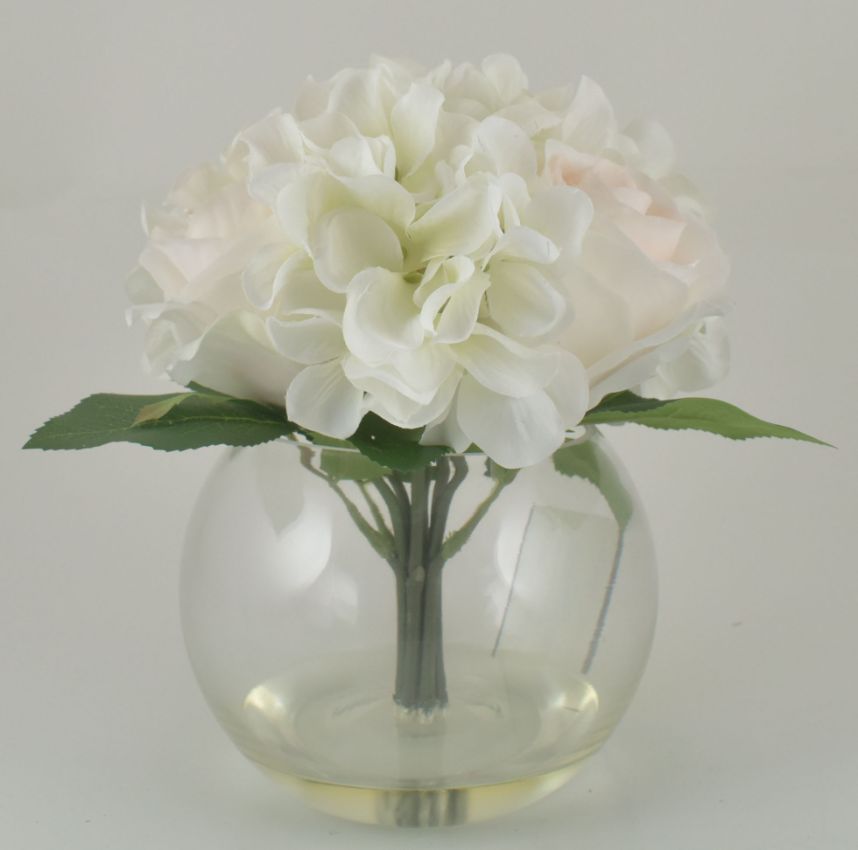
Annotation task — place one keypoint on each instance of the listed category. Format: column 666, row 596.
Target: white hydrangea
column 444, row 248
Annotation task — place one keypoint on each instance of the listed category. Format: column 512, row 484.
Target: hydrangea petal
column 461, row 222
column 413, row 123
column 522, row 301
column 503, row 365
column 514, row 432
column 313, row 339
column 570, row 389
column 262, row 278
column 322, row 399
column 562, row 214
column 506, row 75
column 506, row 147
column 590, row 124
column 350, row 240
column 380, row 318
column 461, row 311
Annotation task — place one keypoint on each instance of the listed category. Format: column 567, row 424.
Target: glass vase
column 418, row 648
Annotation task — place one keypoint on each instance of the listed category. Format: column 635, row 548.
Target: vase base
column 514, row 729
column 400, row 807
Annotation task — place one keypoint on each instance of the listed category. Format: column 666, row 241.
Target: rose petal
column 653, row 296
column 235, row 356
column 703, row 362
column 314, row 339
column 632, row 365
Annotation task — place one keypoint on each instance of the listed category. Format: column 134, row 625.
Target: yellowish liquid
column 514, row 731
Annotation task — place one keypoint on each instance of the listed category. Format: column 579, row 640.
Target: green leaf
column 393, row 447
column 586, row 460
column 349, row 465
column 701, row 414
column 168, row 422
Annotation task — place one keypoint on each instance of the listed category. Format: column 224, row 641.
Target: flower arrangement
column 451, row 275
column 418, row 260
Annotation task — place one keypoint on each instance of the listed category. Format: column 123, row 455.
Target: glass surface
column 419, row 648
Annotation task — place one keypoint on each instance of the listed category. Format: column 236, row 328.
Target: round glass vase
column 418, row 648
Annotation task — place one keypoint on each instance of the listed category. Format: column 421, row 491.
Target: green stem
column 407, row 527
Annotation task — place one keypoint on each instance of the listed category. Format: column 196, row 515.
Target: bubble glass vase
column 418, row 648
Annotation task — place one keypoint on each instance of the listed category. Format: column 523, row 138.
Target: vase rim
column 574, row 436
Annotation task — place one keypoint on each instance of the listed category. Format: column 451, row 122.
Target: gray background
column 743, row 734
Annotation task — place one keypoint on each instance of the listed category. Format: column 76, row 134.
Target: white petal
column 600, row 320
column 525, row 243
column 380, row 318
column 531, row 116
column 562, row 213
column 267, row 183
column 656, row 152
column 416, row 374
column 143, row 292
column 383, row 196
column 397, row 398
column 274, row 139
column 503, row 365
column 439, row 273
column 506, row 75
column 349, row 240
column 653, row 296
column 311, row 340
column 506, row 147
column 570, row 390
column 321, row 399
column 413, row 122
column 523, row 301
column 631, row 366
column 655, row 236
column 514, row 432
column 590, row 124
column 461, row 222
column 260, row 279
column 450, row 310
column 445, row 431
column 460, row 313
column 702, row 363
column 360, row 95
column 358, row 156
column 235, row 356
column 301, row 292
column 303, row 200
